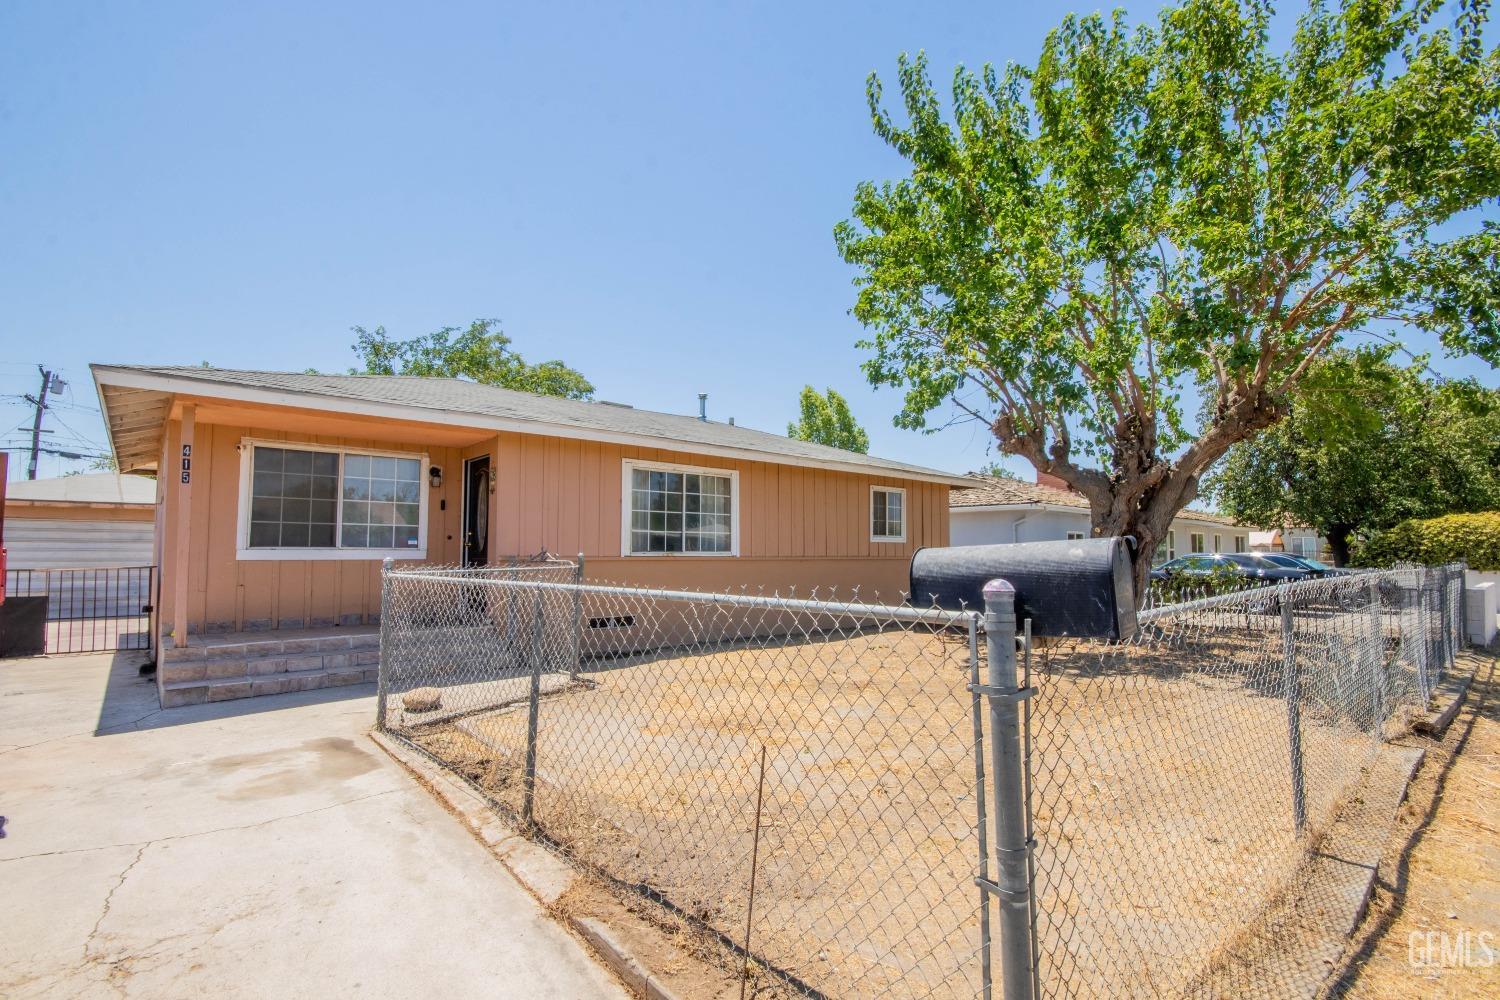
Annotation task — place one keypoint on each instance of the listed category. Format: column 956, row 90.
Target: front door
column 477, row 511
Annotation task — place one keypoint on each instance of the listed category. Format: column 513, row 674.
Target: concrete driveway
column 261, row 848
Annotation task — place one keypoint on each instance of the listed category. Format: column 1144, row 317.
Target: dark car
column 1248, row 565
column 1317, row 567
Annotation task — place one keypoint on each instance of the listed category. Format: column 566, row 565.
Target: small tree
column 1367, row 445
column 480, row 353
column 1149, row 211
column 826, row 419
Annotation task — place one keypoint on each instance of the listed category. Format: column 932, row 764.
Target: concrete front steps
column 250, row 664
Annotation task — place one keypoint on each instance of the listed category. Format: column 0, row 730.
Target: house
column 996, row 510
column 1297, row 539
column 280, row 494
column 88, row 520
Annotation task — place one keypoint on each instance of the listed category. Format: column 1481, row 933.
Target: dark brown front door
column 477, row 511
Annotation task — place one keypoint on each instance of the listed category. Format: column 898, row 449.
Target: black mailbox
column 1077, row 588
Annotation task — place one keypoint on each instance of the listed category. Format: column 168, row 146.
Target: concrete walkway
column 261, row 848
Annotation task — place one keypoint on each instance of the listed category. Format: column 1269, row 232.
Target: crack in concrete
column 110, row 897
column 143, row 844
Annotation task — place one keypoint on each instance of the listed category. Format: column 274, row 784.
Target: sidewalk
column 243, row 850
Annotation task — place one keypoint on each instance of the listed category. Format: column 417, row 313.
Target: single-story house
column 1297, row 539
column 994, row 510
column 280, row 494
column 88, row 520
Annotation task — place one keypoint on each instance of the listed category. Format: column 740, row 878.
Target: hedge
column 1470, row 538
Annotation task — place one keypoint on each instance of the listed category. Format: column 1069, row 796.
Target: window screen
column 680, row 512
column 293, row 498
column 887, row 514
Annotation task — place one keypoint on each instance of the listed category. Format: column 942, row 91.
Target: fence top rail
column 76, row 569
column 1275, row 592
column 933, row 616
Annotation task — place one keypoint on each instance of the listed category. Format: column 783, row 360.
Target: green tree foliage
column 1177, row 206
column 1367, row 444
column 480, row 353
column 1470, row 538
column 826, row 420
column 995, row 470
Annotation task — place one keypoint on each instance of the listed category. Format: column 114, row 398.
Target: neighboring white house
column 1298, row 539
column 1010, row 510
column 90, row 520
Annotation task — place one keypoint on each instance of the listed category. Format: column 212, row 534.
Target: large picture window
column 331, row 503
column 671, row 509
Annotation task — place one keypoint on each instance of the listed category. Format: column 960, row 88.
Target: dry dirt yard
column 1441, row 874
column 1163, row 798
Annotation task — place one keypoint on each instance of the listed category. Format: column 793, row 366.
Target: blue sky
column 647, row 194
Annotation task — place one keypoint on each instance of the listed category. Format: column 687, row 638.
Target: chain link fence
column 1176, row 782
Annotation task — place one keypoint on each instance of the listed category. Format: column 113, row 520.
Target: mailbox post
column 1012, row 885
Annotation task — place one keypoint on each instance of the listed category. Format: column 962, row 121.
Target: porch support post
column 182, row 476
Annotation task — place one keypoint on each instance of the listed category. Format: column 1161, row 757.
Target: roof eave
column 136, row 379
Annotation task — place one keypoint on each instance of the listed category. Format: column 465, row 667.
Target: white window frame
column 629, row 465
column 1218, row 543
column 1075, row 536
column 1171, row 544
column 1241, row 543
column 1197, row 543
column 905, row 516
column 244, row 552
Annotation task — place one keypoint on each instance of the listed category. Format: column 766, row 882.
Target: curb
column 540, row 872
column 1449, row 696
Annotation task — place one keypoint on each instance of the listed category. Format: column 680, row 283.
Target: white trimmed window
column 305, row 502
column 1171, row 544
column 887, row 514
column 1218, row 543
column 1075, row 536
column 1241, row 543
column 683, row 510
column 1195, row 541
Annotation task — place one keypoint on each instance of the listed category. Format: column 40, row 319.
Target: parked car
column 1317, row 567
column 1248, row 565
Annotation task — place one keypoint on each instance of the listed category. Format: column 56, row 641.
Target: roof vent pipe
column 731, row 421
column 702, row 406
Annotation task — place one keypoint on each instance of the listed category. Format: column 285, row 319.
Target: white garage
column 91, row 520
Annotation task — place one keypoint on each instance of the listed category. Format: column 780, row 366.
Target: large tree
column 1367, row 445
column 1145, row 212
column 481, row 353
column 827, row 419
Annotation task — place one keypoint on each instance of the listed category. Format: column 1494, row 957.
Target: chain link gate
column 1177, row 783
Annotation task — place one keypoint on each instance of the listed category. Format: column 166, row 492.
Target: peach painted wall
column 799, row 528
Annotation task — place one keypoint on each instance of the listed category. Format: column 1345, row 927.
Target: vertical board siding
column 798, row 526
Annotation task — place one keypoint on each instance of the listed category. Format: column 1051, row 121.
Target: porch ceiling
column 136, row 418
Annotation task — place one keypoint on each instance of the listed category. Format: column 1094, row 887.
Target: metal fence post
column 1293, row 684
column 533, row 707
column 383, row 674
column 986, row 977
column 1377, row 663
column 1012, row 886
column 577, row 622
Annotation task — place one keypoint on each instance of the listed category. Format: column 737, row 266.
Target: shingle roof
column 97, row 487
column 456, row 399
column 992, row 492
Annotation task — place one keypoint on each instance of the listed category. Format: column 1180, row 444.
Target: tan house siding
column 798, row 527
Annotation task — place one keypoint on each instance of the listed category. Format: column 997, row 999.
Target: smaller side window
column 887, row 514
column 1075, row 536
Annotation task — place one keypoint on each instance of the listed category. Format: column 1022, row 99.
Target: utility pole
column 36, row 425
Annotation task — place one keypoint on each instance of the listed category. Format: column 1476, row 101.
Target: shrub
column 1470, row 538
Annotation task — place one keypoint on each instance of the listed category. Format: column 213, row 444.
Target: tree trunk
column 1338, row 541
column 1148, row 524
